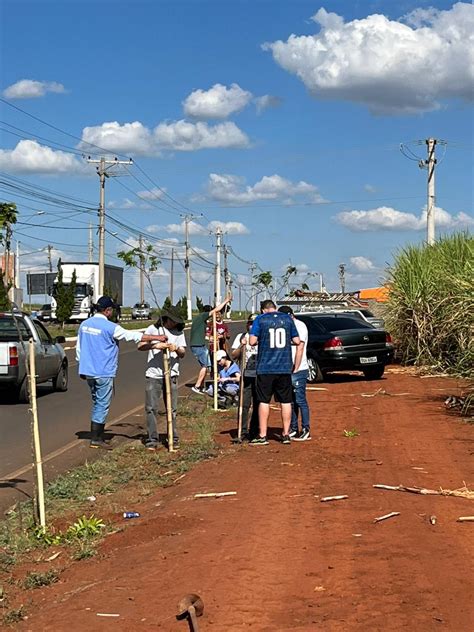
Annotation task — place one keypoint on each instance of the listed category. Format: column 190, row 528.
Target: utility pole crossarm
column 103, row 165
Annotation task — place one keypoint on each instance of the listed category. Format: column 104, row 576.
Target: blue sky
column 280, row 120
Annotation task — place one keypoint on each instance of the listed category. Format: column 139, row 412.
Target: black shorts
column 277, row 384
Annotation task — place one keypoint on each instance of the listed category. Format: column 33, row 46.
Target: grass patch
column 15, row 615
column 351, row 433
column 129, row 470
column 38, row 580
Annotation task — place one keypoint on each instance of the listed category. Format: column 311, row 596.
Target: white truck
column 87, row 287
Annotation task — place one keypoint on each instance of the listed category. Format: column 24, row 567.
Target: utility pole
column 227, row 277
column 217, row 285
column 253, row 267
column 103, row 166
column 17, row 266
column 342, row 276
column 49, row 258
column 172, row 276
column 142, row 271
column 189, row 302
column 91, row 245
column 430, row 163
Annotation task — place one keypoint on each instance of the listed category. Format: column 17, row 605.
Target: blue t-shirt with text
column 274, row 331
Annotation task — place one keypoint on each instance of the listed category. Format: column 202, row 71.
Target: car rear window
column 367, row 312
column 9, row 331
column 336, row 322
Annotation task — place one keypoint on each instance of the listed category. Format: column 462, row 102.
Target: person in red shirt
column 223, row 336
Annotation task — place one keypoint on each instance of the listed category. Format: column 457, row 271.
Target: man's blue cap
column 104, row 302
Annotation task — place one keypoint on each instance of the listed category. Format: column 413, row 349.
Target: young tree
column 8, row 216
column 142, row 259
column 199, row 304
column 286, row 277
column 5, row 304
column 264, row 280
column 167, row 303
column 65, row 295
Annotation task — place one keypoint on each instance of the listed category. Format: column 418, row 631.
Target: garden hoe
column 190, row 608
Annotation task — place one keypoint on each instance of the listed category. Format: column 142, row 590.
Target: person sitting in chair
column 228, row 382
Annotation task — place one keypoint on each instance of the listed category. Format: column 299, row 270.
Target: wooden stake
column 214, row 358
column 215, row 494
column 387, row 516
column 243, row 363
column 465, row 519
column 38, row 462
column 328, row 498
column 169, row 408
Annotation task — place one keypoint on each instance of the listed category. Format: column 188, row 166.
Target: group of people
column 271, row 353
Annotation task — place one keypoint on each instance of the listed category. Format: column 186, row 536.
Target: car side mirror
column 60, row 340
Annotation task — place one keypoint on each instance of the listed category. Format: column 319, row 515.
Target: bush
column 431, row 304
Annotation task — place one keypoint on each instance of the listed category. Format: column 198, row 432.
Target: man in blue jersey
column 97, row 356
column 274, row 333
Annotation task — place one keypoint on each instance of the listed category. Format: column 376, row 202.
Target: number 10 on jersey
column 277, row 338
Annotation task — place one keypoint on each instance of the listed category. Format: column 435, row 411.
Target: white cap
column 221, row 354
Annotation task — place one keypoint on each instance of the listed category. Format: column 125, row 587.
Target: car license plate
column 370, row 360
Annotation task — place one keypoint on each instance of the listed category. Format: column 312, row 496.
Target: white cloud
column 370, row 188
column 231, row 189
column 386, row 218
column 216, row 103
column 266, row 101
column 152, row 194
column 30, row 157
column 230, row 228
column 362, row 264
column 30, row 89
column 136, row 139
column 390, row 66
column 185, row 136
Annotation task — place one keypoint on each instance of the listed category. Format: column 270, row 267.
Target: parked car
column 341, row 342
column 51, row 361
column 44, row 313
column 361, row 313
column 141, row 310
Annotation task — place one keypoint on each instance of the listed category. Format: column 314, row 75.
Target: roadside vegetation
column 85, row 505
column 430, row 310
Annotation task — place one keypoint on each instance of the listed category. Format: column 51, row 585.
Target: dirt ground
column 274, row 557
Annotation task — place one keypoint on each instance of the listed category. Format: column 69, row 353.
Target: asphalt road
column 64, row 420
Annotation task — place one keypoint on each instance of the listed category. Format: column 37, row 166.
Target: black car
column 44, row 313
column 338, row 342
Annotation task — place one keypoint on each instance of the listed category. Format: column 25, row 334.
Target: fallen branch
column 215, row 494
column 328, row 498
column 462, row 492
column 387, row 516
column 465, row 519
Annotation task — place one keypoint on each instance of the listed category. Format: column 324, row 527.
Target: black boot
column 97, row 440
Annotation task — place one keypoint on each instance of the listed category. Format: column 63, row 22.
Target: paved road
column 64, row 420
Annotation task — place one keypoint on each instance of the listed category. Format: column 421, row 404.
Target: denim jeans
column 300, row 403
column 154, row 391
column 102, row 389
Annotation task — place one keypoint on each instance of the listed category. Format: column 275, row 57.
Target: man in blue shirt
column 274, row 333
column 97, row 357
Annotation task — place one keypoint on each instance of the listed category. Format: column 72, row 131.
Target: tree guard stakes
column 243, row 363
column 214, row 358
column 169, row 409
column 37, row 458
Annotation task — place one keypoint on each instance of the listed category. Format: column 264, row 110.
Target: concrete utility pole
column 217, row 285
column 17, row 266
column 253, row 267
column 91, row 245
column 103, row 166
column 172, row 276
column 50, row 264
column 430, row 163
column 142, row 271
column 189, row 302
column 342, row 276
column 227, row 277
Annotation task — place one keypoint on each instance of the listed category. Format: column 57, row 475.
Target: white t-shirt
column 303, row 336
column 250, row 354
column 155, row 356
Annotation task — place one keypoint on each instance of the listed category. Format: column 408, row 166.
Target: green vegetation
column 64, row 295
column 38, row 580
column 15, row 615
column 351, row 433
column 430, row 311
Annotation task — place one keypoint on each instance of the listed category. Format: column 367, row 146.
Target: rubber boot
column 97, row 440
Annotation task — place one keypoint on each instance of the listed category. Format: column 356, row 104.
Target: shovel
column 169, row 410
column 190, row 608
